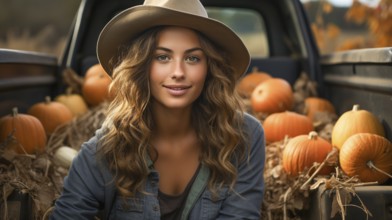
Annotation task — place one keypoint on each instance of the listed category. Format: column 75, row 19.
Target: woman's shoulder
column 88, row 157
column 91, row 145
column 251, row 123
column 88, row 153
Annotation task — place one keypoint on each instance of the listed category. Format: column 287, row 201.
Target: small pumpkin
column 95, row 87
column 279, row 125
column 74, row 102
column 52, row 114
column 271, row 96
column 353, row 122
column 302, row 151
column 249, row 82
column 22, row 132
column 368, row 156
column 314, row 105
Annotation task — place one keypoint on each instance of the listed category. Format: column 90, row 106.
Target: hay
column 38, row 175
column 285, row 197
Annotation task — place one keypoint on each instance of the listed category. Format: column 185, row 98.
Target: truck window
column 248, row 24
column 340, row 25
column 39, row 25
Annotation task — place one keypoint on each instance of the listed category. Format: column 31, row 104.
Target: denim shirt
column 89, row 188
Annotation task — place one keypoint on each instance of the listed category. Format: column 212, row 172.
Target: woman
column 175, row 143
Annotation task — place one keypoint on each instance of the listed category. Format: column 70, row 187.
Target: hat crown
column 186, row 6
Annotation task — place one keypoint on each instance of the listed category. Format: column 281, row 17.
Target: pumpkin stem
column 68, row 91
column 312, row 135
column 371, row 165
column 255, row 69
column 355, row 107
column 47, row 99
column 14, row 111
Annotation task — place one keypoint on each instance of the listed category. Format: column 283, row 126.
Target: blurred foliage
column 43, row 25
column 39, row 25
column 363, row 26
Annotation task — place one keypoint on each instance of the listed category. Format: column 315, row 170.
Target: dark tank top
column 172, row 206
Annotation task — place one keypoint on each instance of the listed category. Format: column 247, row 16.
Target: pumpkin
column 52, row 114
column 95, row 86
column 74, row 102
column 22, row 132
column 271, row 96
column 353, row 122
column 314, row 105
column 248, row 83
column 368, row 156
column 281, row 124
column 302, row 151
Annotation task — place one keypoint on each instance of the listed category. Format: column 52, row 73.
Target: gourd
column 271, row 96
column 64, row 156
column 368, row 156
column 74, row 102
column 302, row 151
column 353, row 122
column 249, row 82
column 95, row 86
column 281, row 124
column 23, row 133
column 52, row 114
column 313, row 105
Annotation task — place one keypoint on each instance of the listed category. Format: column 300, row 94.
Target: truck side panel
column 25, row 79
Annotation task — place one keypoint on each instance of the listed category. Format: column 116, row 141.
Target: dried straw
column 285, row 196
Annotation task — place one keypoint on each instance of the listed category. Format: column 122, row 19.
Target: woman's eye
column 192, row 59
column 162, row 58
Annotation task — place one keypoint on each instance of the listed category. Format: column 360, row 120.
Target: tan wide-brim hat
column 131, row 22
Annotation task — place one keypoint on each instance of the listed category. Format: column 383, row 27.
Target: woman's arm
column 245, row 202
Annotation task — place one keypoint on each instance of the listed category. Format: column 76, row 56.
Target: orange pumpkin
column 281, row 124
column 51, row 114
column 353, row 122
column 271, row 96
column 368, row 156
column 249, row 82
column 95, row 87
column 74, row 102
column 302, row 151
column 313, row 105
column 22, row 132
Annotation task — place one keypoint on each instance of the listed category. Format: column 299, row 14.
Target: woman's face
column 178, row 69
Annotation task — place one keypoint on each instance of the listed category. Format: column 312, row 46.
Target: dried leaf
column 327, row 7
column 317, row 184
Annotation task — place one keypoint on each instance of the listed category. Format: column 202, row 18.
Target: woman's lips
column 177, row 90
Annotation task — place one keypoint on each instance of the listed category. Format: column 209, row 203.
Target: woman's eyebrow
column 186, row 51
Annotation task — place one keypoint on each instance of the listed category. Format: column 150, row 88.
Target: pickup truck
column 281, row 43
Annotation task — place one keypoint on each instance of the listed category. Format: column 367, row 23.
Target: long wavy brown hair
column 217, row 118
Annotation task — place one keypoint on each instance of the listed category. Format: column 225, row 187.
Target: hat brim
column 131, row 22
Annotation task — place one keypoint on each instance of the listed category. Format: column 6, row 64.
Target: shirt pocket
column 211, row 204
column 131, row 208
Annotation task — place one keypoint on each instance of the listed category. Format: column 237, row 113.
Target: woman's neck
column 174, row 137
column 172, row 123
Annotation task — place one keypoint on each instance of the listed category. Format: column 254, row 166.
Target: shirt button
column 156, row 208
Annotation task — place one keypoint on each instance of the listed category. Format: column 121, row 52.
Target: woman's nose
column 178, row 70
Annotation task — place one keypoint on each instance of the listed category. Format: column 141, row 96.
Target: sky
column 346, row 3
